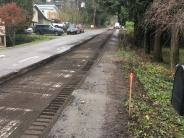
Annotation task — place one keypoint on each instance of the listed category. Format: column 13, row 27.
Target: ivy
column 152, row 114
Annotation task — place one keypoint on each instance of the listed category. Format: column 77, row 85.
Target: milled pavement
column 30, row 104
column 96, row 110
column 12, row 60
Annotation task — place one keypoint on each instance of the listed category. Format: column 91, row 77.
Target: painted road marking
column 15, row 109
column 62, row 49
column 34, row 94
column 70, row 71
column 9, row 128
column 56, row 85
column 46, row 95
column 18, row 109
column 27, row 59
column 1, row 108
column 15, row 65
column 3, row 122
column 67, row 76
column 2, row 56
column 64, row 75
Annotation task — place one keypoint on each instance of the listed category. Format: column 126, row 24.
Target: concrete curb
column 33, row 66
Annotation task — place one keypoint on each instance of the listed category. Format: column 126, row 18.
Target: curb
column 24, row 70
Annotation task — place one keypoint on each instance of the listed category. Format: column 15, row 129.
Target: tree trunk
column 148, row 48
column 119, row 18
column 119, row 15
column 157, row 46
column 13, row 43
column 146, row 41
column 11, row 36
column 174, row 54
column 139, row 35
column 136, row 32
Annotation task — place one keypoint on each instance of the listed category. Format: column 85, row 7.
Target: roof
column 49, row 11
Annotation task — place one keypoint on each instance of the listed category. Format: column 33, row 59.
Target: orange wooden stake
column 130, row 95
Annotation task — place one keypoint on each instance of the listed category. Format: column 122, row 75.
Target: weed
column 152, row 114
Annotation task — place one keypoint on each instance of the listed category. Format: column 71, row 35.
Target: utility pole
column 77, row 3
column 82, row 7
column 94, row 13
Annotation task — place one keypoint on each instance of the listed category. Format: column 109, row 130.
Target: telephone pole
column 94, row 13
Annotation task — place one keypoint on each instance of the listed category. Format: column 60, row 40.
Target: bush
column 129, row 25
column 27, row 38
column 152, row 113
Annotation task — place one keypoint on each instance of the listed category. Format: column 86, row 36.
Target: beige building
column 45, row 14
column 2, row 35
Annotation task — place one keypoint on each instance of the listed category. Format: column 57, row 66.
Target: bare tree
column 168, row 14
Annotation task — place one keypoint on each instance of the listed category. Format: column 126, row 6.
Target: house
column 45, row 14
column 58, row 3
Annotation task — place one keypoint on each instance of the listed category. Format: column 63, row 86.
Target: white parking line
column 15, row 65
column 27, row 59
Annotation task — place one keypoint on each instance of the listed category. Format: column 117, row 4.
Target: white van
column 117, row 25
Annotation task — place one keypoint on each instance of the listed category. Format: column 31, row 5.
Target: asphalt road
column 96, row 109
column 31, row 103
column 14, row 59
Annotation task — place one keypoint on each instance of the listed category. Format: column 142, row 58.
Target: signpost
column 2, row 34
column 83, row 5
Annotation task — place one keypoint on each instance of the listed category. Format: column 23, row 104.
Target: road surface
column 30, row 103
column 14, row 59
column 84, row 88
column 96, row 110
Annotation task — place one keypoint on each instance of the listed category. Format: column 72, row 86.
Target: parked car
column 80, row 28
column 72, row 29
column 28, row 30
column 63, row 25
column 47, row 29
column 59, row 25
column 67, row 24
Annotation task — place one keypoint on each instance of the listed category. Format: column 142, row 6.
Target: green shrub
column 152, row 114
column 129, row 25
column 27, row 38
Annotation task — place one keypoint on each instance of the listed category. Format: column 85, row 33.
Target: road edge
column 45, row 132
column 33, row 66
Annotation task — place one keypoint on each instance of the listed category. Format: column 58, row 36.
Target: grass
column 31, row 38
column 152, row 113
column 166, row 55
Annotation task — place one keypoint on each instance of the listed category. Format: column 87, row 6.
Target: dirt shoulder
column 96, row 110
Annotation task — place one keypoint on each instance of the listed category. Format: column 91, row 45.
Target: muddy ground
column 96, row 110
